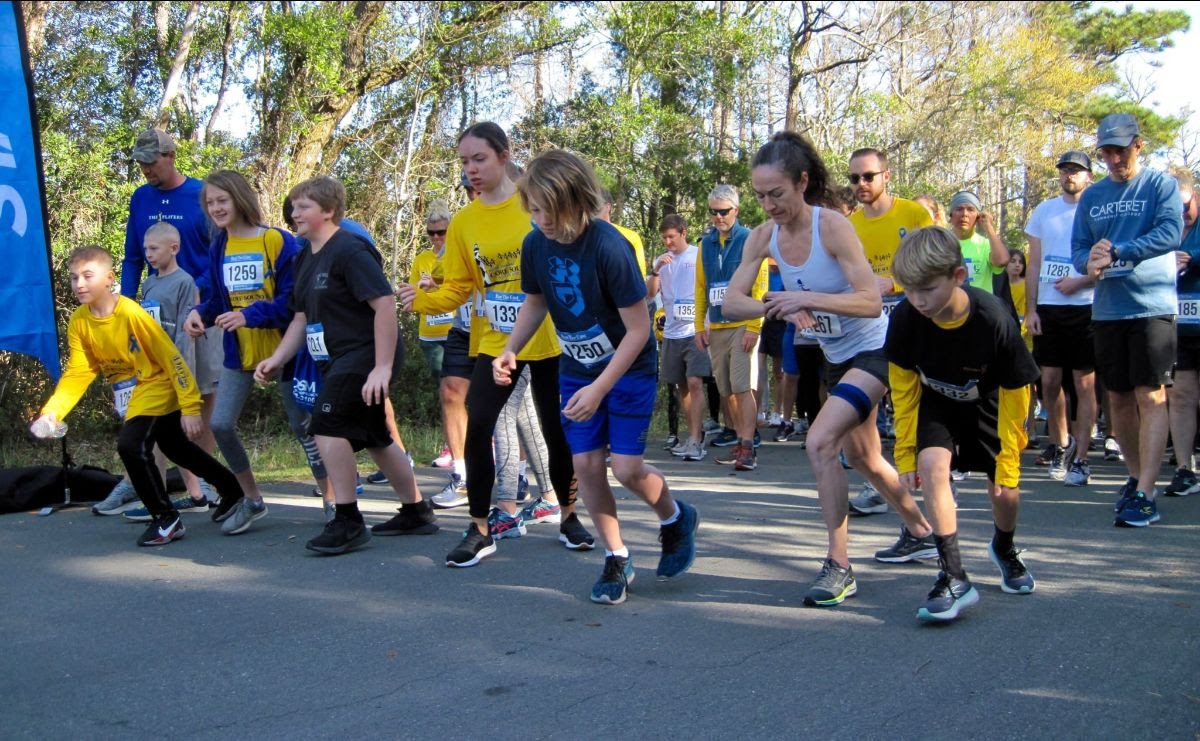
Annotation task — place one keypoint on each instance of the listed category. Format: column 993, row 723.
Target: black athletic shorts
column 456, row 355
column 1066, row 340
column 771, row 343
column 1187, row 352
column 1133, row 353
column 340, row 411
column 871, row 361
column 969, row 431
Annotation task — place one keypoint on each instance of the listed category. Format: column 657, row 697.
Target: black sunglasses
column 866, row 177
column 720, row 211
column 436, row 232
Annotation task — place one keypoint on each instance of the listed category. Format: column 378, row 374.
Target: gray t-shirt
column 169, row 298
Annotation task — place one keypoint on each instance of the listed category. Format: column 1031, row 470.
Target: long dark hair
column 795, row 155
column 490, row 133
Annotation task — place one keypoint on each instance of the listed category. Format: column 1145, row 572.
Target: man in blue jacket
column 1127, row 227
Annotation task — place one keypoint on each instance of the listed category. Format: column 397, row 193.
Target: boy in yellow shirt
column 153, row 391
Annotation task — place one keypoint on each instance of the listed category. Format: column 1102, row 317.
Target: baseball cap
column 150, row 144
column 1075, row 157
column 1116, row 130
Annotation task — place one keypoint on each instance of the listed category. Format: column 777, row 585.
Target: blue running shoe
column 678, row 543
column 1014, row 576
column 1128, row 489
column 726, row 439
column 613, row 584
column 1139, row 511
column 948, row 598
column 183, row 505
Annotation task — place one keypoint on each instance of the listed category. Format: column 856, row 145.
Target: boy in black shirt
column 341, row 290
column 960, row 377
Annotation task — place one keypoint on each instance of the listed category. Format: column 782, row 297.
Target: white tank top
column 841, row 337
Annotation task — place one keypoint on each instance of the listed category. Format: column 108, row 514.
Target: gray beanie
column 965, row 198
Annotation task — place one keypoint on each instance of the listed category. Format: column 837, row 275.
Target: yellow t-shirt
column 639, row 250
column 483, row 253
column 248, row 276
column 128, row 345
column 881, row 235
column 431, row 327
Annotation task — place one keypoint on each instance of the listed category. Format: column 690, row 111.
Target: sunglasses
column 436, row 232
column 866, row 177
column 720, row 211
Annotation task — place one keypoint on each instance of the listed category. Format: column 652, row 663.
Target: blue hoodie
column 1143, row 219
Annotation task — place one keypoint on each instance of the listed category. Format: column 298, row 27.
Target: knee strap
column 855, row 397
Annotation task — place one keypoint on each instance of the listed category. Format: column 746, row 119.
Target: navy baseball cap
column 1075, row 157
column 1117, row 130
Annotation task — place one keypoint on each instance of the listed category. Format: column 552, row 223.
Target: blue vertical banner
column 27, row 319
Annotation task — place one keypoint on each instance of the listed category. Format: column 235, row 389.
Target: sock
column 349, row 512
column 420, row 506
column 673, row 518
column 460, row 468
column 748, row 443
column 947, row 546
column 622, row 552
column 1002, row 542
column 521, row 468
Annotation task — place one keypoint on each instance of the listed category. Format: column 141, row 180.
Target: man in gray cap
column 1058, row 312
column 1127, row 227
column 984, row 256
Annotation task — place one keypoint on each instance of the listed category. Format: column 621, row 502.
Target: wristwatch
column 1112, row 253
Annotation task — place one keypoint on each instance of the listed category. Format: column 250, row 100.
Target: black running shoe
column 474, row 547
column 225, row 506
column 414, row 519
column 163, row 530
column 340, row 535
column 908, row 548
column 573, row 535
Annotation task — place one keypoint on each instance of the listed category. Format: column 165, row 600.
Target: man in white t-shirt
column 1058, row 312
column 683, row 363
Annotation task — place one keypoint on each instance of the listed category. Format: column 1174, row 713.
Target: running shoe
column 378, row 478
column 413, row 519
column 727, row 438
column 444, row 459
column 341, row 534
column 1058, row 462
column 475, row 547
column 678, row 543
column 243, row 516
column 833, row 585
column 503, row 525
column 1079, row 474
column 1139, row 511
column 908, row 547
column 330, row 511
column 757, row 439
column 613, row 584
column 183, row 505
column 947, row 599
column 573, row 535
column 121, row 499
column 539, row 510
column 226, row 506
column 733, row 456
column 712, row 425
column 163, row 530
column 1184, row 484
column 868, row 502
column 1112, row 451
column 209, row 493
column 680, row 448
column 1014, row 576
column 671, row 442
column 747, row 461
column 1047, row 455
column 775, row 420
column 1126, row 492
column 695, row 451
column 453, row 494
column 785, row 430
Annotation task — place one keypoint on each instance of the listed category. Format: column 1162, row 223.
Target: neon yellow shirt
column 430, row 327
column 483, row 253
column 881, row 235
column 126, row 345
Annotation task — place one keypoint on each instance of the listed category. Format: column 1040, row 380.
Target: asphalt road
column 253, row 636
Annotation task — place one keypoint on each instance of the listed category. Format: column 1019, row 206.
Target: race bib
column 154, row 309
column 890, row 303
column 1054, row 268
column 716, row 293
column 122, row 393
column 1118, row 269
column 437, row 320
column 829, row 326
column 314, row 334
column 502, row 308
column 684, row 311
column 970, row 265
column 589, row 347
column 243, row 273
column 1189, row 308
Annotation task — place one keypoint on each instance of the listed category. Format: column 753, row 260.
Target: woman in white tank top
column 831, row 289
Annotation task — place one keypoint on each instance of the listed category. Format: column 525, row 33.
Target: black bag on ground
column 34, row 487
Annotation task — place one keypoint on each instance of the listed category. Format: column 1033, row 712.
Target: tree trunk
column 171, row 89
column 34, row 12
column 226, row 63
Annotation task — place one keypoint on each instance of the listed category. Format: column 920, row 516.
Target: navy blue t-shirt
column 585, row 283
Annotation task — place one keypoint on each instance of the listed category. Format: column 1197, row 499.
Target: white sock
column 460, row 468
column 622, row 552
column 521, row 468
column 671, row 520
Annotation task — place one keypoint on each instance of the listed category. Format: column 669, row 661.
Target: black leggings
column 135, row 445
column 485, row 400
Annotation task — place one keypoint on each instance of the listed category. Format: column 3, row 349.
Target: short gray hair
column 438, row 211
column 724, row 192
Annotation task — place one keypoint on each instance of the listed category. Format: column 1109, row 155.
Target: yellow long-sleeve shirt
column 431, row 327
column 760, row 287
column 123, row 346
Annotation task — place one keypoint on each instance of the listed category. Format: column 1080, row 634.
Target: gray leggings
column 232, row 391
column 519, row 420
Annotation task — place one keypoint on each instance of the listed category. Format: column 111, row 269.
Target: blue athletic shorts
column 621, row 421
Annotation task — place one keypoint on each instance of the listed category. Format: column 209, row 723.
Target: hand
column 266, row 370
column 405, row 293
column 910, row 481
column 1033, row 323
column 1181, row 261
column 781, row 304
column 663, row 260
column 700, row 340
column 375, row 390
column 231, row 320
column 1099, row 258
column 985, row 221
column 193, row 425
column 583, row 403
column 427, row 283
column 886, row 286
column 193, row 325
column 503, row 367
column 749, row 340
column 803, row 319
column 1070, row 284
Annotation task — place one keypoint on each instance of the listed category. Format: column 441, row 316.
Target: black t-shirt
column 585, row 283
column 966, row 363
column 332, row 289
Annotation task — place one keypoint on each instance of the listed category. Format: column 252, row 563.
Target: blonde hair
column 245, row 200
column 926, row 255
column 326, row 192
column 91, row 253
column 438, row 211
column 162, row 230
column 566, row 187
